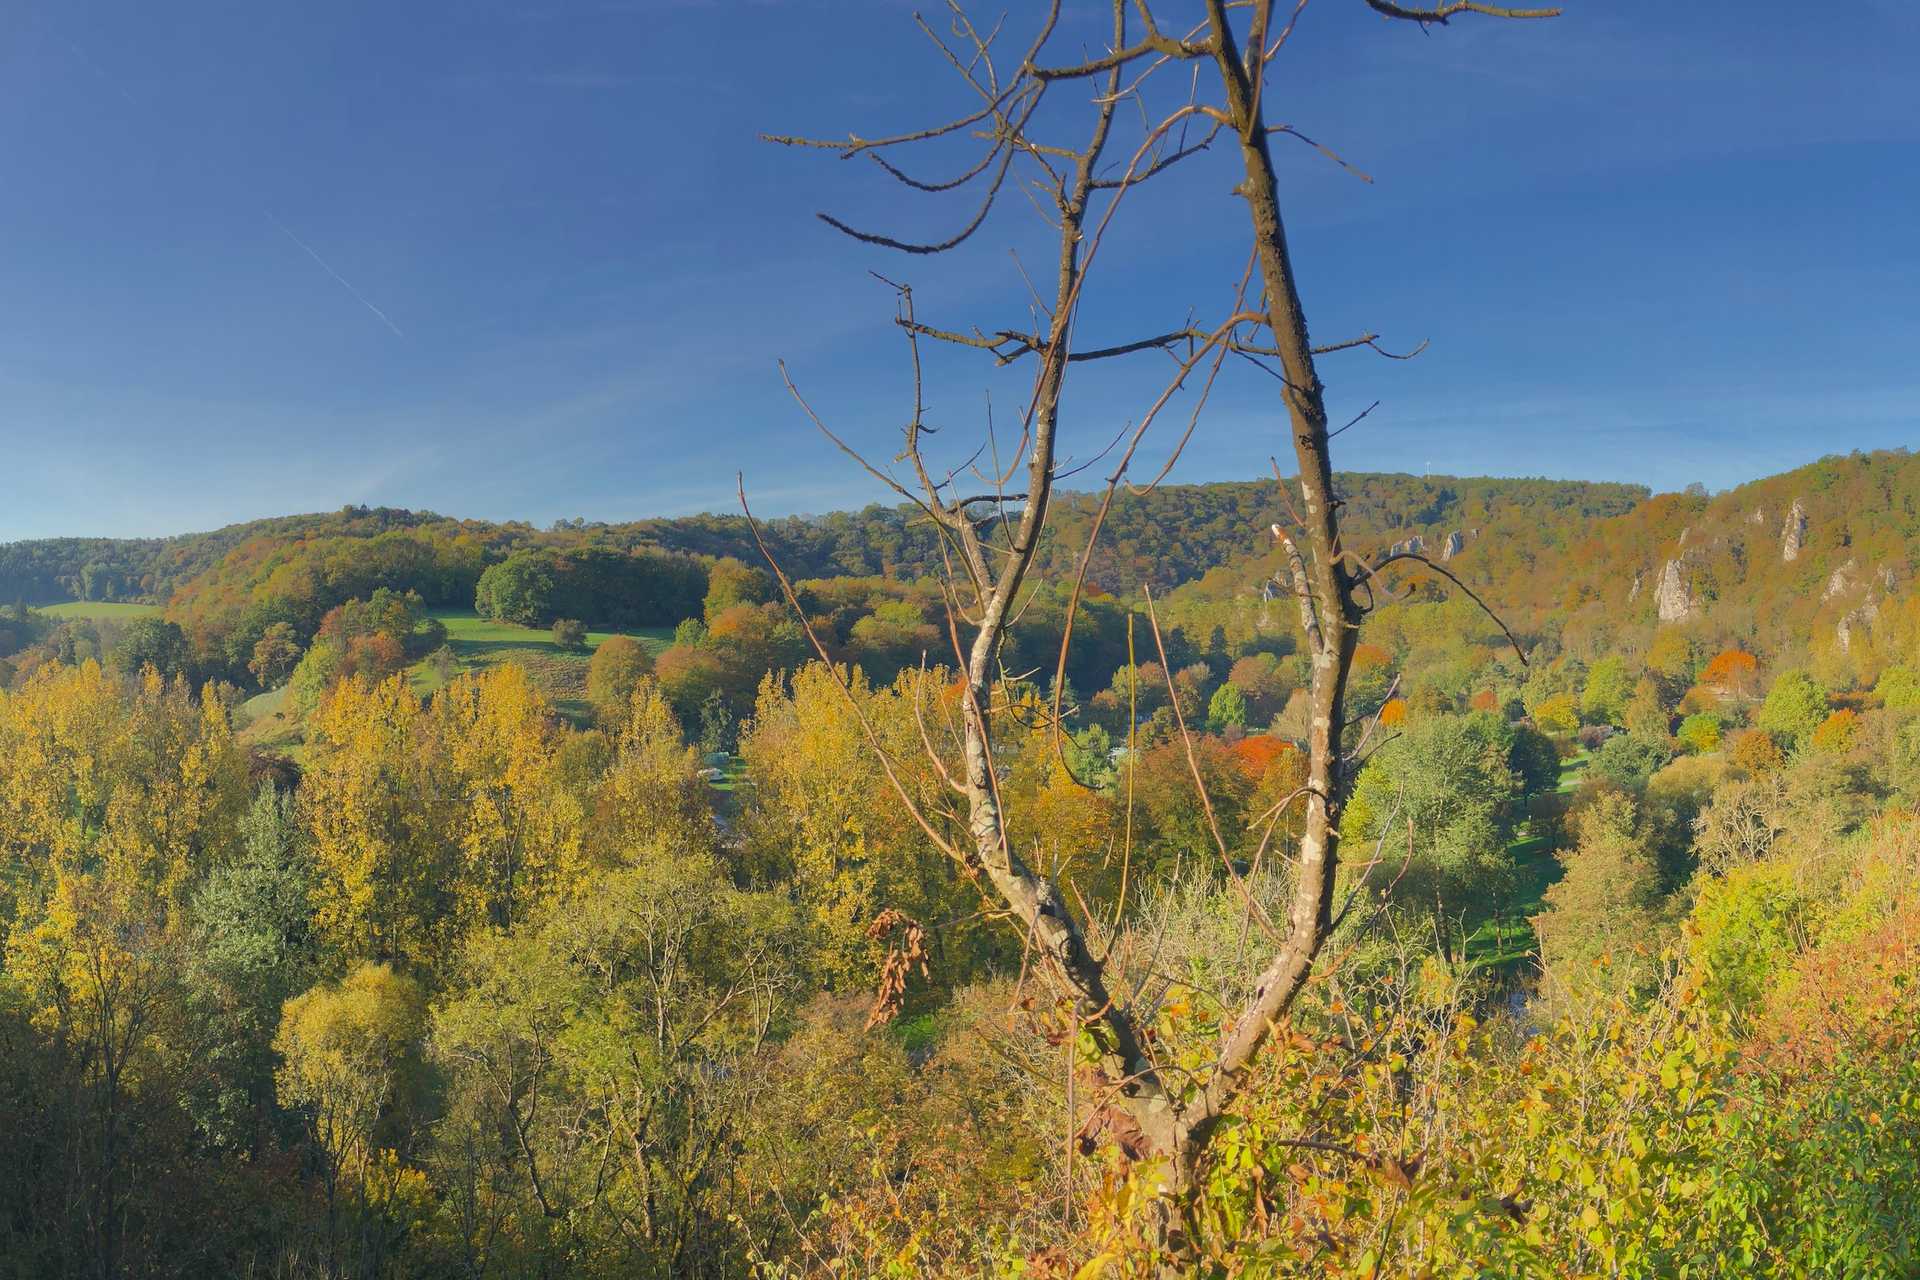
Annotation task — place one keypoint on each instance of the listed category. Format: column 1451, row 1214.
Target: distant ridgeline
column 1189, row 528
column 1815, row 564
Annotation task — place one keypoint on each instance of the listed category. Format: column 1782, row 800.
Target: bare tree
column 992, row 536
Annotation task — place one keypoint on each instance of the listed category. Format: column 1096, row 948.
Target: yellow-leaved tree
column 429, row 823
column 349, row 1061
column 651, row 796
column 115, row 798
column 383, row 873
column 821, row 811
column 495, row 752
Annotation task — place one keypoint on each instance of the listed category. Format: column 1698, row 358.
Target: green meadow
column 479, row 642
column 476, row 643
column 97, row 610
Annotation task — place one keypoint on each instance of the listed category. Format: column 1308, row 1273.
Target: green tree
column 150, row 642
column 1795, row 707
column 1608, row 689
column 1227, row 709
column 275, row 655
column 1700, row 732
column 597, row 1062
column 731, row 582
column 616, row 668
column 315, row 673
column 1604, row 904
column 892, row 638
column 1534, row 760
column 1743, row 925
column 718, row 729
column 1447, row 780
column 1628, row 762
column 518, row 589
column 1899, row 689
column 1089, row 756
column 254, row 948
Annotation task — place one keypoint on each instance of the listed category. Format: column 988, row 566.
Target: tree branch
column 1441, row 14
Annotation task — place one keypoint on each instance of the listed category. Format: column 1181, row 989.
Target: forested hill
column 47, row 570
column 1160, row 538
column 1813, row 566
column 1586, row 564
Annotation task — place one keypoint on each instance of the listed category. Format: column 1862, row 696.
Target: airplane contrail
column 344, row 282
column 100, row 71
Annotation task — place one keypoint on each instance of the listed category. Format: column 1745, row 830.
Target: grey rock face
column 1864, row 617
column 1841, row 580
column 1674, row 595
column 1452, row 546
column 1793, row 536
column 1414, row 545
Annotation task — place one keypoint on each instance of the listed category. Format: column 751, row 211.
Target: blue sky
column 528, row 260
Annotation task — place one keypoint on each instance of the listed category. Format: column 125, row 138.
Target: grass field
column 562, row 675
column 99, row 610
column 267, row 723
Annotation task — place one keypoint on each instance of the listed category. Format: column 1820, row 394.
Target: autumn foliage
column 1257, row 753
column 1733, row 672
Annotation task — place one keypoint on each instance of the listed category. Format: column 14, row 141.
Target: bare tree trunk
column 1174, row 1123
column 1330, row 620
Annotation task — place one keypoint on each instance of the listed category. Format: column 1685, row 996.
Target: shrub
column 570, row 634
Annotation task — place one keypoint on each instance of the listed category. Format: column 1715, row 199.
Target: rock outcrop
column 1633, row 592
column 1416, row 545
column 1793, row 536
column 1841, row 580
column 1452, row 546
column 1674, row 595
column 1867, row 615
